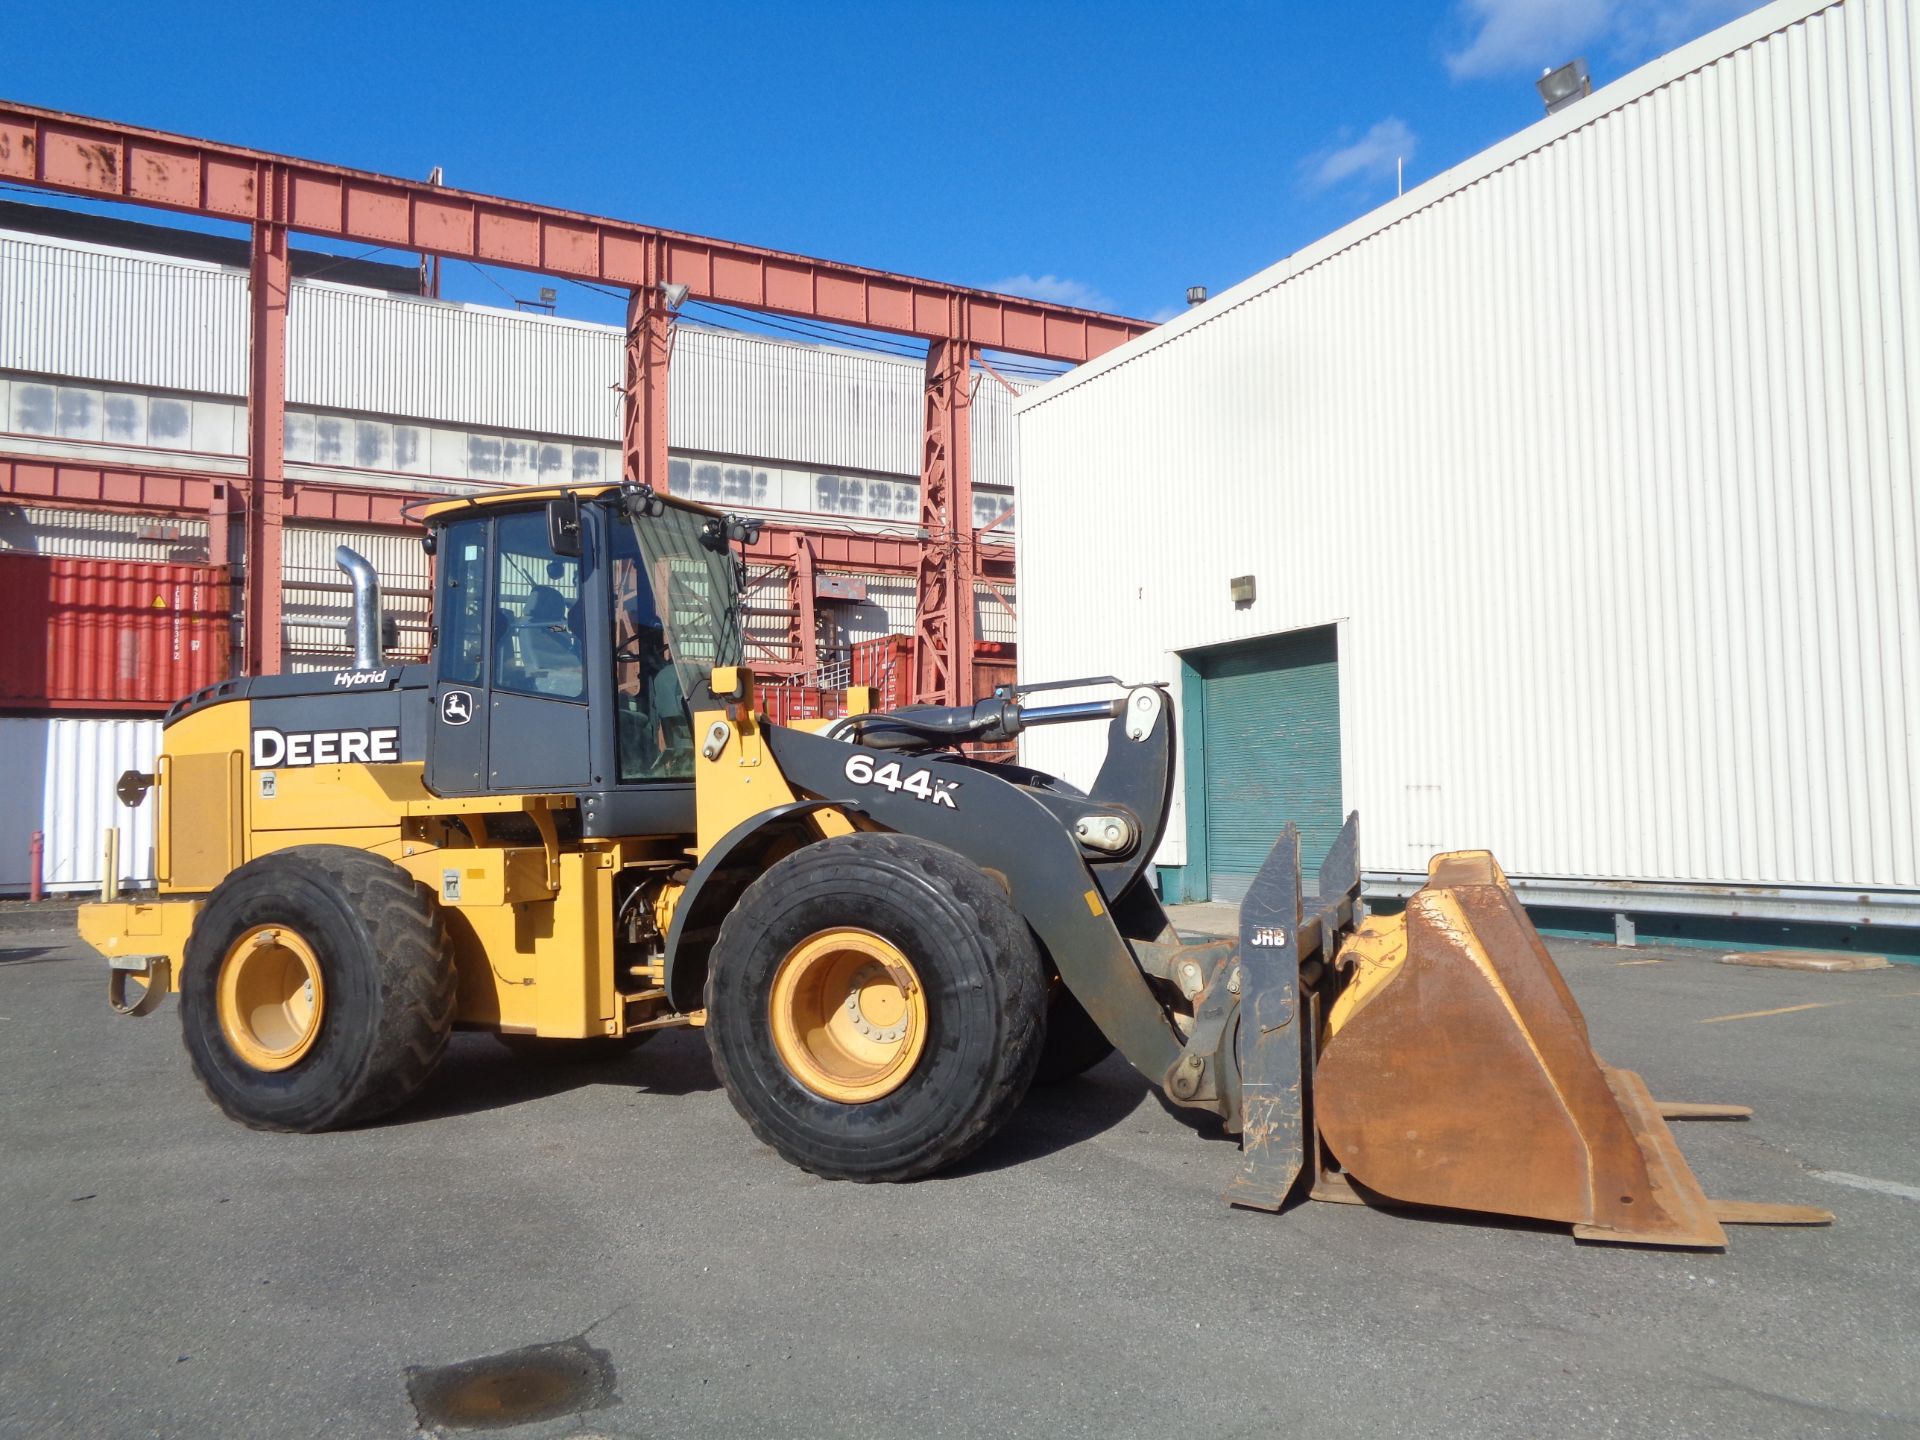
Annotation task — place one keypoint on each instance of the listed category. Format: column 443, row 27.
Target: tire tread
column 415, row 975
column 1023, row 1002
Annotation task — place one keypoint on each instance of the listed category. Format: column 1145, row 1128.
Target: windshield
column 694, row 592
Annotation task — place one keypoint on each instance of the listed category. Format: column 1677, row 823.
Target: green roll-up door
column 1271, row 712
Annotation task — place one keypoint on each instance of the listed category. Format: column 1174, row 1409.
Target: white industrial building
column 1564, row 506
column 114, row 354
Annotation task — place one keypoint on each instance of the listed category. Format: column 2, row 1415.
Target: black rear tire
column 382, row 952
column 984, row 988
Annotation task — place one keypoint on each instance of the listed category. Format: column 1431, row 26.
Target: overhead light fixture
column 1196, row 295
column 549, row 296
column 1560, row 88
column 674, row 295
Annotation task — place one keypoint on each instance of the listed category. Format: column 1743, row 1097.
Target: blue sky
column 1099, row 154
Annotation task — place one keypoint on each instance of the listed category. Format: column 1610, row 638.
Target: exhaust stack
column 365, row 629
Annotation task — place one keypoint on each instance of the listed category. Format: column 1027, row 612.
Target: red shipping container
column 109, row 634
column 784, row 704
column 886, row 664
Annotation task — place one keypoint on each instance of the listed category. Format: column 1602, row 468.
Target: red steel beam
column 354, row 505
column 943, row 623
column 806, row 612
column 63, row 482
column 836, row 550
column 266, row 439
column 32, row 478
column 79, row 155
column 172, row 492
column 649, row 352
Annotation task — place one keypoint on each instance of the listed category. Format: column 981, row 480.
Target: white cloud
column 1643, row 28
column 1372, row 157
column 1057, row 290
column 1527, row 36
column 1514, row 35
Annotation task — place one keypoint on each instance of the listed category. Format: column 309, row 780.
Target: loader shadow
column 30, row 955
column 480, row 1074
column 1058, row 1117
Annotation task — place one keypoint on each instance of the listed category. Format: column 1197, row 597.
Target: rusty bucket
column 1456, row 1072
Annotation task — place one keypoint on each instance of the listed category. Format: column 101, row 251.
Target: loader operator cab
column 574, row 637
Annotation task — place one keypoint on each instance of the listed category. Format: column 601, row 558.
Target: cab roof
column 439, row 510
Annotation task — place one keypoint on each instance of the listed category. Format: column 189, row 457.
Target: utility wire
column 487, row 275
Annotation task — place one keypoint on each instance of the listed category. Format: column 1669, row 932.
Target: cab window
column 650, row 707
column 536, row 617
column 462, row 566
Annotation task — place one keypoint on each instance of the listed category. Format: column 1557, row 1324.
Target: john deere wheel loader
column 573, row 826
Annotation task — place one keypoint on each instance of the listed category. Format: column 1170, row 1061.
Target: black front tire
column 388, row 988
column 985, row 991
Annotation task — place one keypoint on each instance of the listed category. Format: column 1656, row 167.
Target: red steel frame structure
column 277, row 195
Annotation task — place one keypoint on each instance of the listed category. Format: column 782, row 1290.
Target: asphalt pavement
column 165, row 1272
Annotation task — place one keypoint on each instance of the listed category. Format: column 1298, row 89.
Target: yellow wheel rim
column 271, row 997
column 849, row 1015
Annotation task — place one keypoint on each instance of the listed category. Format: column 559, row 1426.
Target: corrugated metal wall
column 1600, row 447
column 769, row 608
column 91, row 314
column 70, row 309
column 433, row 360
column 102, row 534
column 994, row 612
column 751, row 395
column 887, row 610
column 996, row 434
column 66, row 770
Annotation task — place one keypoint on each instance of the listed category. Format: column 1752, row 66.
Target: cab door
column 509, row 698
column 457, row 727
column 537, row 721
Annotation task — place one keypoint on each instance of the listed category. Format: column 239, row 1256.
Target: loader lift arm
column 1319, row 1030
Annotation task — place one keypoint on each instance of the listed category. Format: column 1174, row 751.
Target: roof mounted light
column 1560, row 88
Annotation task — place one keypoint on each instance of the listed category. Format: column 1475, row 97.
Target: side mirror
column 563, row 525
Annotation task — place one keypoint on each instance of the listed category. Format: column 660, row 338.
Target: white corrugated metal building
column 114, row 356
column 1576, row 490
column 143, row 360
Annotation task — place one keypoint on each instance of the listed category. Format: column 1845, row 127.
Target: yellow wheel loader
column 572, row 826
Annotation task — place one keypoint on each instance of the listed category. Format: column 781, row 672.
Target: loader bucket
column 1457, row 1072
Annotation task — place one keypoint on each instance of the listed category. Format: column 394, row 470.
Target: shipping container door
column 1270, row 713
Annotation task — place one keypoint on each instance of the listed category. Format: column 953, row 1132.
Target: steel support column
column 943, row 620
column 266, row 433
column 806, row 615
column 643, row 451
